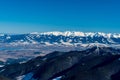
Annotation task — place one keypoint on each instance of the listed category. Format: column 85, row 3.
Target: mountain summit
column 61, row 38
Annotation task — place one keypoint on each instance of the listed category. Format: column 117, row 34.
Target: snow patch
column 25, row 77
column 58, row 78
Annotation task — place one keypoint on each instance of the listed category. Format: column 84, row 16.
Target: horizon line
column 37, row 32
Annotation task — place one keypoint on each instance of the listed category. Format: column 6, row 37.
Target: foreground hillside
column 95, row 63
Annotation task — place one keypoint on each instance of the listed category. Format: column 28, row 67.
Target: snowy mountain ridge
column 61, row 38
column 82, row 34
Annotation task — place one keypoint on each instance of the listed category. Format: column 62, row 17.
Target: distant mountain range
column 61, row 38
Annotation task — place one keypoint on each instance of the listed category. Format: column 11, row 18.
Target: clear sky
column 24, row 16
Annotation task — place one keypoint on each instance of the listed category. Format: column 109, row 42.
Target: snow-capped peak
column 56, row 33
column 66, row 33
column 67, row 38
column 82, row 34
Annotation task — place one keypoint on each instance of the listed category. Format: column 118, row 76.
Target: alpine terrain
column 60, row 56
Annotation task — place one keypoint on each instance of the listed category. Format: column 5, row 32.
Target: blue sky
column 24, row 16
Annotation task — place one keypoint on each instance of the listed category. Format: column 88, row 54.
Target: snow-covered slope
column 61, row 38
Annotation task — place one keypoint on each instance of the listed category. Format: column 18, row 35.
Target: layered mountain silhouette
column 95, row 63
